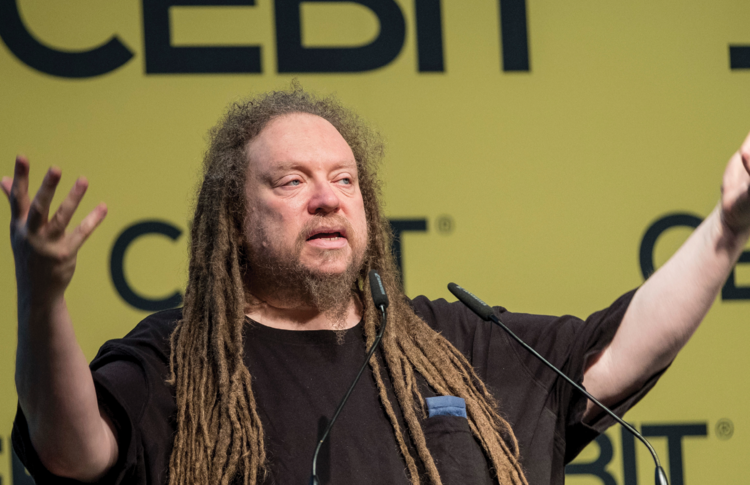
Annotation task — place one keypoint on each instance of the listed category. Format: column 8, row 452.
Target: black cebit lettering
column 398, row 227
column 730, row 290
column 596, row 467
column 739, row 57
column 293, row 57
column 117, row 265
column 163, row 58
column 629, row 467
column 648, row 243
column 514, row 35
column 70, row 64
column 142, row 228
column 429, row 36
column 674, row 434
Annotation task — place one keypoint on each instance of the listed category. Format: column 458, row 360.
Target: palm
column 44, row 251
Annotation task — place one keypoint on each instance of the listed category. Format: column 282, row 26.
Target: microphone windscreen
column 475, row 304
column 378, row 290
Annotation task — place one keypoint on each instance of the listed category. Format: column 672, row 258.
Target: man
column 235, row 386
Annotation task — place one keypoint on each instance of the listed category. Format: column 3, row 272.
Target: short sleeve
column 129, row 376
column 123, row 412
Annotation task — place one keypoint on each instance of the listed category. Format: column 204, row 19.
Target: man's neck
column 303, row 317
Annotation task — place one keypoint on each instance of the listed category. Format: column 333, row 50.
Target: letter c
column 48, row 60
column 117, row 265
column 730, row 290
column 654, row 231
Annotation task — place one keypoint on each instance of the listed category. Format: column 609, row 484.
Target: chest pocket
column 458, row 456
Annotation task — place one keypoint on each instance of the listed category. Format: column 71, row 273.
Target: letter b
column 293, row 57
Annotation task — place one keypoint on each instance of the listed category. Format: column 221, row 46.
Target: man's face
column 305, row 207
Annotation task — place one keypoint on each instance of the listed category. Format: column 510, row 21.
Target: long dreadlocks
column 219, row 434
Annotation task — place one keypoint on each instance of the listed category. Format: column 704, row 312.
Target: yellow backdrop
column 535, row 186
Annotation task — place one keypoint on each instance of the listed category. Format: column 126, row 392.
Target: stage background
column 533, row 186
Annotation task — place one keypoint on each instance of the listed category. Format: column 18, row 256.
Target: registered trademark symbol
column 724, row 429
column 445, row 224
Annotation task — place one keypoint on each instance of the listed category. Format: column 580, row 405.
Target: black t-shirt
column 299, row 377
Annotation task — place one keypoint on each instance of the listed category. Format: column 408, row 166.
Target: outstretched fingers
column 7, row 185
column 17, row 189
column 87, row 226
column 39, row 209
column 65, row 212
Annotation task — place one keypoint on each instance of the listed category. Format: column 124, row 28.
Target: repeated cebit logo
column 166, row 229
column 730, row 290
column 674, row 460
column 444, row 224
column 161, row 57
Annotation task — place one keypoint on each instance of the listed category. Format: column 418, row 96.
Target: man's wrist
column 727, row 236
column 43, row 309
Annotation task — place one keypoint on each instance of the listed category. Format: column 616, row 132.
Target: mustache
column 322, row 222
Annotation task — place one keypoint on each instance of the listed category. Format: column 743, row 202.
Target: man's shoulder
column 452, row 320
column 149, row 340
column 157, row 324
column 441, row 313
column 462, row 326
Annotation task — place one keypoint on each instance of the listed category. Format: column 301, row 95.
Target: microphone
column 378, row 291
column 380, row 299
column 486, row 313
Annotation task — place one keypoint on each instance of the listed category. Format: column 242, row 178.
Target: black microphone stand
column 486, row 313
column 381, row 302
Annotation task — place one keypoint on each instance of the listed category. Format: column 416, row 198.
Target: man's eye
column 293, row 183
column 346, row 181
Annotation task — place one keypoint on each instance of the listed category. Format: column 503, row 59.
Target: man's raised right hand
column 45, row 254
column 56, row 392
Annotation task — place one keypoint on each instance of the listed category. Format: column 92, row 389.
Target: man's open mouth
column 325, row 235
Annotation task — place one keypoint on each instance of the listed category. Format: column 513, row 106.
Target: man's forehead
column 285, row 165
column 298, row 139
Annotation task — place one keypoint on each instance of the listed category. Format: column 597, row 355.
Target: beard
column 278, row 271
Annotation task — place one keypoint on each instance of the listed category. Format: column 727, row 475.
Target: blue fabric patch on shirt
column 446, row 406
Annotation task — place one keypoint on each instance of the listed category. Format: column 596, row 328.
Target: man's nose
column 323, row 200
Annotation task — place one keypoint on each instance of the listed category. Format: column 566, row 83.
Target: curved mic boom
column 485, row 312
column 381, row 302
